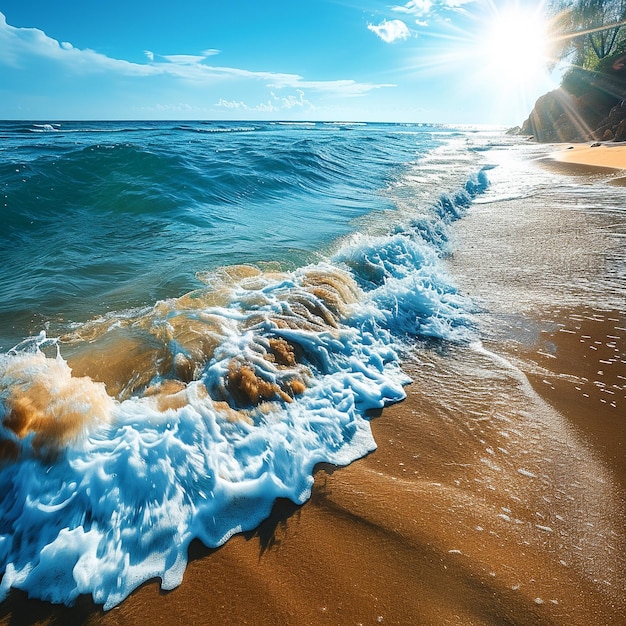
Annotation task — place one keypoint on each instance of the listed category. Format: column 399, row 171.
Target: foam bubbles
column 137, row 476
column 44, row 406
column 188, row 419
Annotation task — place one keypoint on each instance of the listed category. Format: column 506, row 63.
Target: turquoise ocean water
column 194, row 315
column 107, row 216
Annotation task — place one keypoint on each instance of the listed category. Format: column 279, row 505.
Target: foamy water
column 203, row 315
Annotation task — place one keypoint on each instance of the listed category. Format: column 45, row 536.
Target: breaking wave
column 128, row 436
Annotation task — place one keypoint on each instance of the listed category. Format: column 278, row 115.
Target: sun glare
column 515, row 48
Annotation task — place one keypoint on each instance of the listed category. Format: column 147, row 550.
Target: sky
column 430, row 61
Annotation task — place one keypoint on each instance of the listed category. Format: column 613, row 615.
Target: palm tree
column 590, row 30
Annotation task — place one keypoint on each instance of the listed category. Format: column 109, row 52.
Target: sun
column 515, row 47
column 499, row 54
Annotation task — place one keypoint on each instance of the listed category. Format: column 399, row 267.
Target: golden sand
column 596, row 155
column 466, row 514
column 496, row 494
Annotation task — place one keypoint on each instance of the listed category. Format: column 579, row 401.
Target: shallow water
column 186, row 413
column 194, row 318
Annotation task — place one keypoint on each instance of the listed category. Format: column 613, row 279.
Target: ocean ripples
column 159, row 198
column 207, row 328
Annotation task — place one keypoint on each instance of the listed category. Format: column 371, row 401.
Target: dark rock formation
column 613, row 127
column 587, row 106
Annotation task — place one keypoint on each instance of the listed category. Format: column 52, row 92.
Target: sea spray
column 217, row 403
column 162, row 470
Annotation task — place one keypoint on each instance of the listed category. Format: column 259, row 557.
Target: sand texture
column 496, row 495
column 587, row 157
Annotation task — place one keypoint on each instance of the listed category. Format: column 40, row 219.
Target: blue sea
column 193, row 316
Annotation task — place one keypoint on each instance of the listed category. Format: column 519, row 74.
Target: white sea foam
column 121, row 504
column 116, row 502
column 122, row 507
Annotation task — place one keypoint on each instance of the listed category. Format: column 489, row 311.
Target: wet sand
column 477, row 508
column 587, row 158
column 496, row 494
column 581, row 370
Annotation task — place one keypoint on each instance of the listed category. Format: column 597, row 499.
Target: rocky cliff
column 587, row 106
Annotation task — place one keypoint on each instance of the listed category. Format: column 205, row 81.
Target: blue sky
column 361, row 60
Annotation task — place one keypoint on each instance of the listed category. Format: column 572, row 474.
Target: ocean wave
column 184, row 422
column 222, row 129
column 85, row 223
column 73, row 128
column 126, row 437
column 45, row 128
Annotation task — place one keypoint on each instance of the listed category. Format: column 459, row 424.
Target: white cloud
column 238, row 105
column 390, row 30
column 343, row 87
column 455, row 4
column 427, row 8
column 27, row 48
column 184, row 59
column 415, row 7
column 277, row 103
column 266, row 107
column 20, row 45
column 293, row 101
column 232, row 104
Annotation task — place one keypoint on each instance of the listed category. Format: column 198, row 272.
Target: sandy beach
column 496, row 494
column 587, row 157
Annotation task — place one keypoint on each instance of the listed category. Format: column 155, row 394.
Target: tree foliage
column 589, row 31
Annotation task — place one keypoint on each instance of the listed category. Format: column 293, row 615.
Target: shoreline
column 430, row 528
column 592, row 158
column 493, row 497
